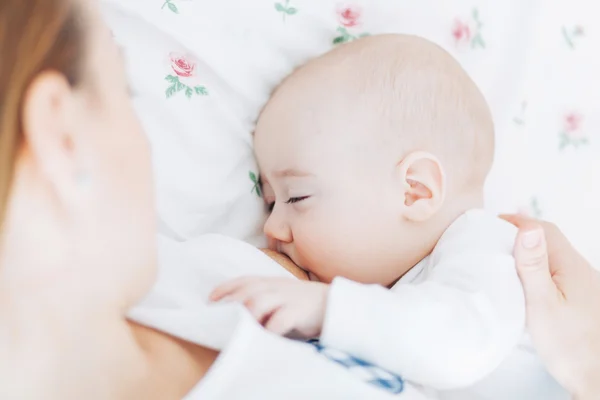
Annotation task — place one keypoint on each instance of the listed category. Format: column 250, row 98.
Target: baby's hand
column 281, row 305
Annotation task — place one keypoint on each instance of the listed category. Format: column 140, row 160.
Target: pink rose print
column 461, row 32
column 468, row 32
column 572, row 133
column 573, row 123
column 349, row 18
column 183, row 67
column 572, row 35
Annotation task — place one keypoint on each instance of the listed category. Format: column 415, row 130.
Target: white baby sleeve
column 258, row 365
column 449, row 331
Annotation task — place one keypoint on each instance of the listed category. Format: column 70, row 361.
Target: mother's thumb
column 531, row 256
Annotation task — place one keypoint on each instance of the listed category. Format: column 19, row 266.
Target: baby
column 373, row 159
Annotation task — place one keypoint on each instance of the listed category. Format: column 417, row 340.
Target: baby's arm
column 447, row 332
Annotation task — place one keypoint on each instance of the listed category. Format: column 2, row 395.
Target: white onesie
column 454, row 323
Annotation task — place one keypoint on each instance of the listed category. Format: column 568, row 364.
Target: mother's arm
column 174, row 366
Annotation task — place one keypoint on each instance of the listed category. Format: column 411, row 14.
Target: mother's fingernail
column 531, row 239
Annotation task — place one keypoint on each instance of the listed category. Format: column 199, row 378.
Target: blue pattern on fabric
column 368, row 372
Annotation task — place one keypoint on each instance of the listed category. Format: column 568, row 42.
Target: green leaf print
column 572, row 35
column 256, row 187
column 171, row 6
column 285, row 9
column 469, row 32
column 478, row 42
column 171, row 90
column 568, row 38
column 478, row 22
column 564, row 141
column 345, row 36
column 178, row 86
column 535, row 208
column 201, row 90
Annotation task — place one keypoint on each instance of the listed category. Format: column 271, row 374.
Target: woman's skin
column 78, row 243
column 78, row 250
column 562, row 291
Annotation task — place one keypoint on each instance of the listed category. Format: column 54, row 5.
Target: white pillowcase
column 535, row 62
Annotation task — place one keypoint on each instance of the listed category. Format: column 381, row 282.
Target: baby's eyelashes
column 293, row 200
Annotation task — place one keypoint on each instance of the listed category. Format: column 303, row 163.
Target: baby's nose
column 277, row 229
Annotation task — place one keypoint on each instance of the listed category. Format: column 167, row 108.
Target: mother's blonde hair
column 35, row 36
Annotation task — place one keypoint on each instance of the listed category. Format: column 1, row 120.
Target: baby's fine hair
column 420, row 95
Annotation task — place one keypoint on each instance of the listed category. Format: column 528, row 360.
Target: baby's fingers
column 263, row 305
column 281, row 322
column 234, row 288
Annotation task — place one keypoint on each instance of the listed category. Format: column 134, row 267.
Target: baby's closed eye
column 291, row 200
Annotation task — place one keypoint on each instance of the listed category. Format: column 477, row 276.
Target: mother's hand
column 562, row 292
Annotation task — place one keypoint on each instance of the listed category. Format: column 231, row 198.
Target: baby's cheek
column 323, row 254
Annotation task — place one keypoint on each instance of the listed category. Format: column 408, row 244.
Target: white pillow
column 199, row 132
column 535, row 64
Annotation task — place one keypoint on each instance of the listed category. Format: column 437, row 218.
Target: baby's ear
column 424, row 182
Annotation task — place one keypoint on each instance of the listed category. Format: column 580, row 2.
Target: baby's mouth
column 311, row 276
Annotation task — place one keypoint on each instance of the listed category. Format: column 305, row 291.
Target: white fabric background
column 202, row 69
column 532, row 75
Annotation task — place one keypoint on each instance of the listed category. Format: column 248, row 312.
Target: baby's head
column 368, row 153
